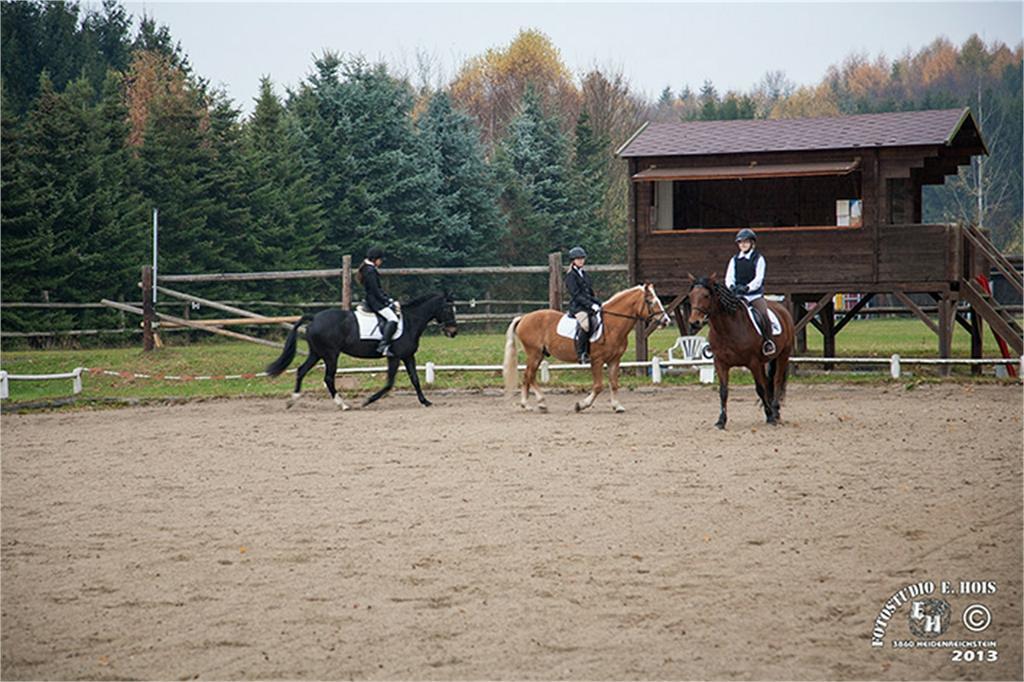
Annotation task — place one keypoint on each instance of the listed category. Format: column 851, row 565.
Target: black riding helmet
column 374, row 252
column 577, row 252
column 746, row 233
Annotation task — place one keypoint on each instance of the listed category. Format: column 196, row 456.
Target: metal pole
column 155, row 232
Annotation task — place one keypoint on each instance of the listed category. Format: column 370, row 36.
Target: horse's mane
column 623, row 293
column 421, row 300
column 729, row 302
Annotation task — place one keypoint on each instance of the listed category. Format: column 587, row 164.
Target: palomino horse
column 336, row 331
column 537, row 334
column 736, row 343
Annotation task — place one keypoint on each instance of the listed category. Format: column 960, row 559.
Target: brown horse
column 537, row 334
column 736, row 343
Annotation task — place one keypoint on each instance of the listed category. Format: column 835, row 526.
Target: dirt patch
column 470, row 540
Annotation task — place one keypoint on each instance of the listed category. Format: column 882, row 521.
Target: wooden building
column 836, row 204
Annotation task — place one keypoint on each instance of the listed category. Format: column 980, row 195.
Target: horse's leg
column 597, row 374
column 410, row 368
column 764, row 390
column 533, row 360
column 300, row 374
column 330, row 370
column 779, row 384
column 392, row 371
column 723, row 392
column 613, row 380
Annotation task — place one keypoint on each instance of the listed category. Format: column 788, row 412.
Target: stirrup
column 768, row 347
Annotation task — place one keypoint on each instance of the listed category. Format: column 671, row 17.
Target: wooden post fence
column 148, row 311
column 346, row 282
column 555, row 280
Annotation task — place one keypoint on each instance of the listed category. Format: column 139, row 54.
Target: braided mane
column 728, row 301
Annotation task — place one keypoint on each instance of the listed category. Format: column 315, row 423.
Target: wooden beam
column 914, row 308
column 853, row 311
column 216, row 305
column 188, row 323
column 809, row 315
column 231, row 321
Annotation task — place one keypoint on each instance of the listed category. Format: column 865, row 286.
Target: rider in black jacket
column 583, row 305
column 377, row 300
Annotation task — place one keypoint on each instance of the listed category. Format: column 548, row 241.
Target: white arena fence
column 657, row 366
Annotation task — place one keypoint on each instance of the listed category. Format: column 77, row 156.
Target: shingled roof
column 898, row 129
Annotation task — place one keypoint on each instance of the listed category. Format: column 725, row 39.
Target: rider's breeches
column 761, row 305
column 388, row 314
column 583, row 317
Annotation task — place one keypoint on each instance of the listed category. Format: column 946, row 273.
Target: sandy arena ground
column 235, row 539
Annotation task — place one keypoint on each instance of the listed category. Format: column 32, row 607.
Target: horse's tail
column 509, row 368
column 288, row 354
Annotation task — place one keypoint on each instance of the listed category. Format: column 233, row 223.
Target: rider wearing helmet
column 583, row 305
column 376, row 299
column 745, row 278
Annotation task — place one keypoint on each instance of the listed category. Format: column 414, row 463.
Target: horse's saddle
column 370, row 325
column 772, row 317
column 567, row 326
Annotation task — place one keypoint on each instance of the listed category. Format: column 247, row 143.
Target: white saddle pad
column 369, row 327
column 776, row 326
column 567, row 327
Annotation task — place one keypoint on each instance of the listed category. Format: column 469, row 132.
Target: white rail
column 75, row 375
column 656, row 364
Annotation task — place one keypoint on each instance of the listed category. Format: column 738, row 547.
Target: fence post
column 655, row 370
column 430, row 373
column 147, row 308
column 555, row 280
column 894, row 366
column 346, row 282
column 76, row 381
column 4, row 394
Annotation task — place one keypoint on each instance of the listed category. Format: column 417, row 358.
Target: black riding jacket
column 581, row 291
column 376, row 298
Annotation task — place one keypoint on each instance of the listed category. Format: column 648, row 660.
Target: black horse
column 336, row 331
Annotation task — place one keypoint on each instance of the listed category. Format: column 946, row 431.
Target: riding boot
column 384, row 347
column 582, row 346
column 768, row 346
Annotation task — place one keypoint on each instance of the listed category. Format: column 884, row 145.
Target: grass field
column 874, row 338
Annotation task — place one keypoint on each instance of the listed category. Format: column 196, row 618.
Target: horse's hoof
column 578, row 407
column 618, row 409
column 426, row 403
column 542, row 408
column 289, row 405
column 720, row 426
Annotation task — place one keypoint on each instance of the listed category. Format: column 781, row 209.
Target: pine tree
column 380, row 189
column 533, row 168
column 27, row 230
column 287, row 216
column 589, row 189
column 176, row 160
column 230, row 185
column 472, row 225
column 113, row 234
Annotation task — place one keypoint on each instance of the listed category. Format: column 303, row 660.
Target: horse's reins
column 650, row 308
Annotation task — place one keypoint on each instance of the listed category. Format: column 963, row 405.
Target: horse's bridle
column 705, row 312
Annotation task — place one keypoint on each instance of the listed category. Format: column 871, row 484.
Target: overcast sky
column 655, row 45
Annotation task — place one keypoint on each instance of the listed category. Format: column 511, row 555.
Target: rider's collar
column 367, row 261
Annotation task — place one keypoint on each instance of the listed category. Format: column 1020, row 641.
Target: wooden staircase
column 1002, row 322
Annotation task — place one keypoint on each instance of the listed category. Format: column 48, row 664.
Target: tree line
column 512, row 158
